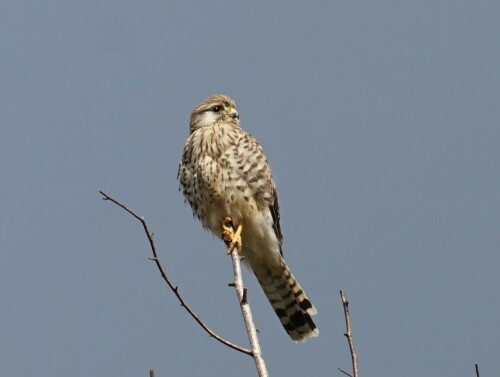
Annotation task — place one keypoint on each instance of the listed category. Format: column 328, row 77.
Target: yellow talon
column 236, row 241
column 230, row 236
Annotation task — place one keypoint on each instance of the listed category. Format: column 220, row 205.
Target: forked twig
column 173, row 287
column 348, row 335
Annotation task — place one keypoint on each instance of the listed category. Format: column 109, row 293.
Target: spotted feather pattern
column 225, row 173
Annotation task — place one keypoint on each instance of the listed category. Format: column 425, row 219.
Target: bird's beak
column 233, row 113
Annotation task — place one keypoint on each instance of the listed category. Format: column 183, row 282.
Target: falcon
column 226, row 178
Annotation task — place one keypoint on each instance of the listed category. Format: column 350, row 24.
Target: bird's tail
column 291, row 304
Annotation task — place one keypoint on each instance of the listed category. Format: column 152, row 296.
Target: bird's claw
column 227, row 230
column 231, row 238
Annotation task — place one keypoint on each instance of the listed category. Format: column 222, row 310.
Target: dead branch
column 477, row 370
column 174, row 288
column 241, row 292
column 348, row 335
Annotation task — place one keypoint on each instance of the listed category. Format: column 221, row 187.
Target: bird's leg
column 232, row 238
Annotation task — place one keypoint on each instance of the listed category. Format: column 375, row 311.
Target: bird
column 226, row 178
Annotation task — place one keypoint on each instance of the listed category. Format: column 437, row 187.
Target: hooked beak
column 233, row 113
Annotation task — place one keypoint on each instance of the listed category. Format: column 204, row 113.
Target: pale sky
column 380, row 121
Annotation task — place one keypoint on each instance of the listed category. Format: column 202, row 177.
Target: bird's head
column 214, row 109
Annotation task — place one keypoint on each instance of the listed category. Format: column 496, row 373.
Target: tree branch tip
column 106, row 196
column 342, row 296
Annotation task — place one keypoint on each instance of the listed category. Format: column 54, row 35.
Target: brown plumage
column 225, row 173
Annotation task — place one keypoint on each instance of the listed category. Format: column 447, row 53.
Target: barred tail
column 291, row 304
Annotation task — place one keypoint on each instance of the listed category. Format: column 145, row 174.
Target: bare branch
column 173, row 287
column 151, row 373
column 477, row 370
column 241, row 292
column 348, row 335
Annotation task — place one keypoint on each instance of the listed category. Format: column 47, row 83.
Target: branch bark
column 241, row 292
column 174, row 288
column 348, row 335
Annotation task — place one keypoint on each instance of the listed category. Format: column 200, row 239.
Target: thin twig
column 247, row 313
column 343, row 371
column 151, row 373
column 173, row 287
column 348, row 335
column 477, row 370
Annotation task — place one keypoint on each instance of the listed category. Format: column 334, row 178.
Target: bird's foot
column 231, row 238
column 227, row 230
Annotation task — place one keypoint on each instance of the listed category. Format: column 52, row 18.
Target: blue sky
column 381, row 124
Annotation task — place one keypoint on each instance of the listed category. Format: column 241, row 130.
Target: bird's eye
column 216, row 108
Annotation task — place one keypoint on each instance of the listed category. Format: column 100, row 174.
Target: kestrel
column 225, row 176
